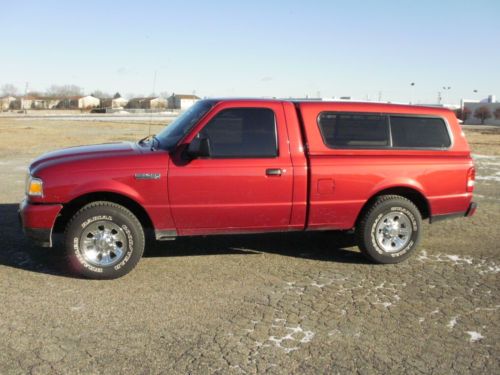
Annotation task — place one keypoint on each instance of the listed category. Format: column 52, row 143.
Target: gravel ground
column 277, row 304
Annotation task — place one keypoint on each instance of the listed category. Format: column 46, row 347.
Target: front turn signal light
column 35, row 187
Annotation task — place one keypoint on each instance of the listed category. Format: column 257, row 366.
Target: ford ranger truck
column 254, row 166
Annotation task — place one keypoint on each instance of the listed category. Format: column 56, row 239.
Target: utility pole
column 150, row 106
column 25, row 94
column 154, row 83
column 412, row 92
column 445, row 88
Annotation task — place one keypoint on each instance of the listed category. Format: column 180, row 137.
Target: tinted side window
column 419, row 132
column 354, row 130
column 242, row 132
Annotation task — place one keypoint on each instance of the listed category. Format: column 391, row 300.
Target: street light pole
column 440, row 97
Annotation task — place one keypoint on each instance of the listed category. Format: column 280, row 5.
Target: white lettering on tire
column 130, row 249
column 76, row 249
column 95, row 218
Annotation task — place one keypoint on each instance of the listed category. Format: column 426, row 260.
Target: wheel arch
column 71, row 207
column 412, row 194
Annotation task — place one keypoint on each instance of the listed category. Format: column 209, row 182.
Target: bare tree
column 100, row 94
column 463, row 113
column 9, row 89
column 38, row 94
column 64, row 91
column 131, row 95
column 483, row 113
column 497, row 113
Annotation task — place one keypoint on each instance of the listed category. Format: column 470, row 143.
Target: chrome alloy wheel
column 393, row 231
column 103, row 243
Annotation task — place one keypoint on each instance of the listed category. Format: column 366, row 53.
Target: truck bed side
column 342, row 181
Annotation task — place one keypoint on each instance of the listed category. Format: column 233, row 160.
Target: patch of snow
column 457, row 258
column 307, row 337
column 290, row 286
column 481, row 265
column 489, row 178
column 478, row 156
column 452, row 323
column 423, row 256
column 475, row 336
column 385, row 304
column 492, row 269
column 487, row 308
column 318, row 285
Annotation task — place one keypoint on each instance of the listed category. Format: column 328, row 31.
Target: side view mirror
column 199, row 147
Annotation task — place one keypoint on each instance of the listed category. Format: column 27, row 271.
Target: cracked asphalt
column 273, row 304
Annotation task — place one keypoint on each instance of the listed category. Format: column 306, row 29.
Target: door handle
column 273, row 172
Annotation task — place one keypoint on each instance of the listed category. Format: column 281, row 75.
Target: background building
column 486, row 111
column 115, row 103
column 80, row 102
column 152, row 102
column 182, row 101
column 34, row 101
column 5, row 102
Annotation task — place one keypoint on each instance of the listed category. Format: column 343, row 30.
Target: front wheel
column 104, row 240
column 390, row 230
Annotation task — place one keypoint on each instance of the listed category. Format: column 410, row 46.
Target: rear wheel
column 104, row 240
column 390, row 230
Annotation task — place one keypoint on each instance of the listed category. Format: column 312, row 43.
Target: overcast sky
column 256, row 48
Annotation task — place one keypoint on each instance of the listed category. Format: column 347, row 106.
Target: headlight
column 34, row 187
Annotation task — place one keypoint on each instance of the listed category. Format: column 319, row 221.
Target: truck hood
column 86, row 152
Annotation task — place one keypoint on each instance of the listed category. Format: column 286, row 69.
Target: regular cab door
column 245, row 184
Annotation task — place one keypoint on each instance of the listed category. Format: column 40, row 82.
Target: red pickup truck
column 252, row 166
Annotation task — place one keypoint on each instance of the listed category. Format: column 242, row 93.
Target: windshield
column 173, row 133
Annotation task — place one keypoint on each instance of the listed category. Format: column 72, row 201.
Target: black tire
column 104, row 228
column 381, row 230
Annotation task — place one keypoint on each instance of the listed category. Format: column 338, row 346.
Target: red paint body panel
column 109, row 168
column 39, row 216
column 320, row 187
column 357, row 178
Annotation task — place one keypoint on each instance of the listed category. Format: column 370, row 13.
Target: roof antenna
column 151, row 109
